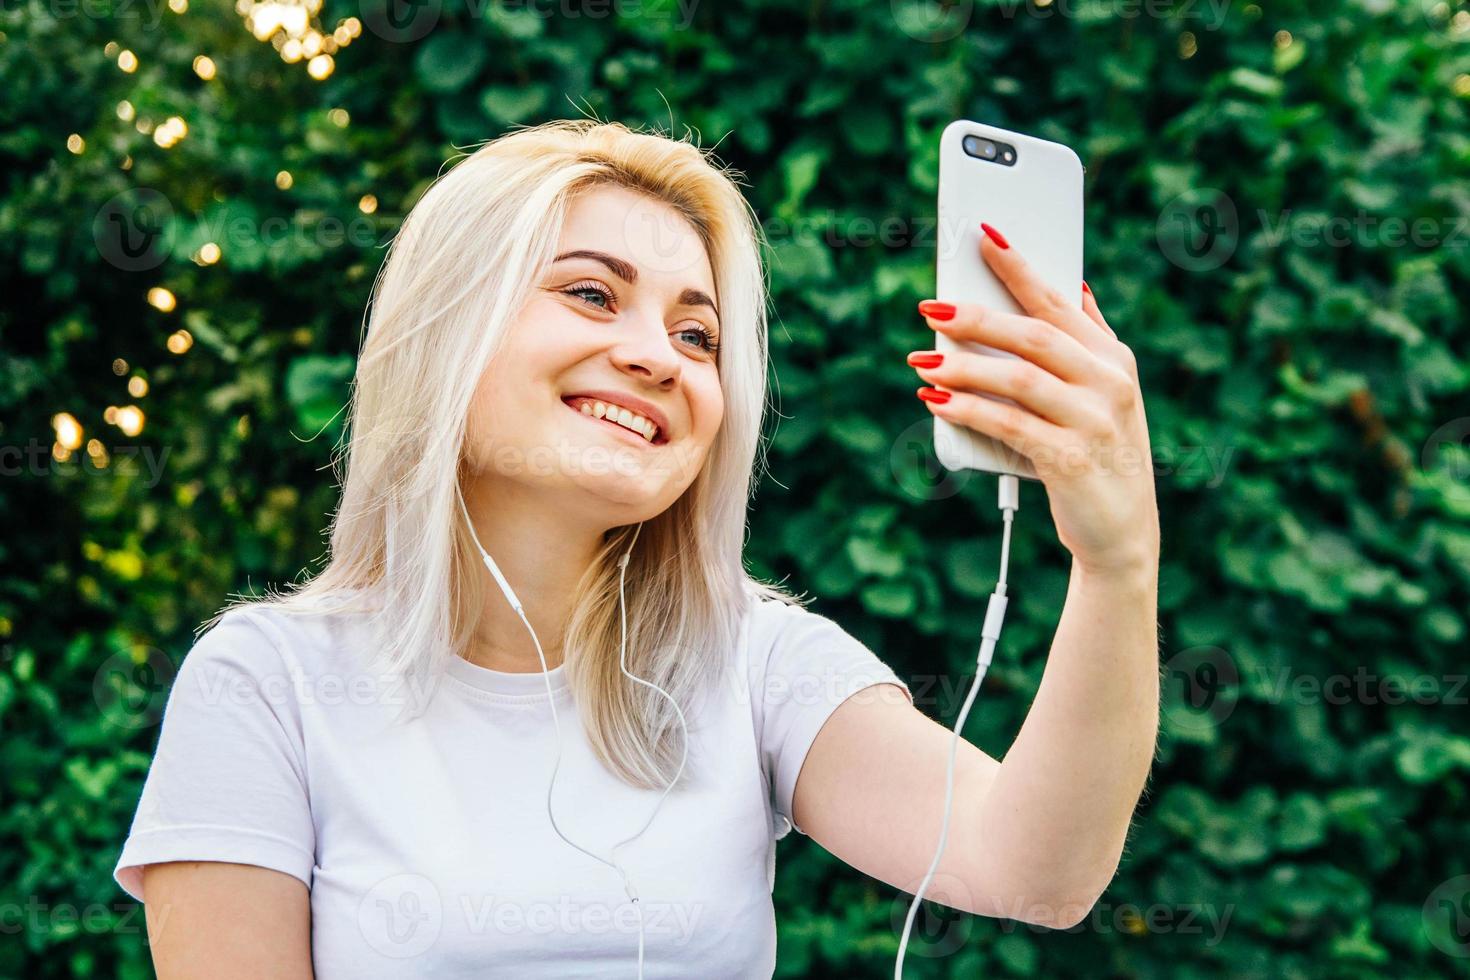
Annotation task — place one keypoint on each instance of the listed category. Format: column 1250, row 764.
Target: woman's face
column 627, row 310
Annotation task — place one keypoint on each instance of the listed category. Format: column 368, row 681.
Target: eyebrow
column 626, row 272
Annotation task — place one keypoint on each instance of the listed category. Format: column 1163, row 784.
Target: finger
column 1034, row 389
column 1012, row 425
column 1090, row 307
column 1035, row 340
column 1036, row 297
column 1119, row 354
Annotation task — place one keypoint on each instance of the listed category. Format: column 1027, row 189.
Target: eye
column 708, row 343
column 582, row 288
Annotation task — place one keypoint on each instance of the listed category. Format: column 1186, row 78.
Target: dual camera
column 991, row 150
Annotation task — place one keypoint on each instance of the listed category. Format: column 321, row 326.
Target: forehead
column 658, row 240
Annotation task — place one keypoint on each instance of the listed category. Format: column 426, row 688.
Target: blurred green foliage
column 1304, row 366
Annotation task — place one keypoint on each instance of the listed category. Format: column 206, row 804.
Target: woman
column 565, row 365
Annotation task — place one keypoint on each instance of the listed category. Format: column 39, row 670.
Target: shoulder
column 793, row 648
column 769, row 614
column 264, row 640
column 258, row 664
column 768, row 623
column 775, row 626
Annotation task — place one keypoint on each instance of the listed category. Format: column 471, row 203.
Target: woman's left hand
column 1080, row 420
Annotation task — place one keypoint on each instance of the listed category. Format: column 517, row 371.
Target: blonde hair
column 458, row 271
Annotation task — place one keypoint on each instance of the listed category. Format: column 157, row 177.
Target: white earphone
column 515, row 603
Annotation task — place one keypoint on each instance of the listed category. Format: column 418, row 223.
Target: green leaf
column 969, row 566
column 795, row 261
column 800, row 170
column 859, row 434
column 874, row 558
column 1303, row 823
column 513, row 103
column 1255, row 82
column 895, row 600
column 1018, row 953
column 447, row 61
column 316, row 387
column 1284, row 59
column 517, row 24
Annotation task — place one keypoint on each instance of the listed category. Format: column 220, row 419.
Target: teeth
column 628, row 420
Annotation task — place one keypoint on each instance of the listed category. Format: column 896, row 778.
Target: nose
column 647, row 353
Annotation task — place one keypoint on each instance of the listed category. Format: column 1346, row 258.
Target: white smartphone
column 1030, row 190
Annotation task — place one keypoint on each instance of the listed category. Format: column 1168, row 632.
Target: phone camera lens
column 990, row 150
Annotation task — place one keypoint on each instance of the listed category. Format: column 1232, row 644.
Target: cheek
column 492, row 407
column 508, row 377
column 711, row 414
column 494, row 384
column 534, row 336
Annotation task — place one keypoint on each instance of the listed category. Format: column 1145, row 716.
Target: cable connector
column 1009, row 492
column 995, row 614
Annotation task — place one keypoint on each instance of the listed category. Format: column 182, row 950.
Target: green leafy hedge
column 1276, row 222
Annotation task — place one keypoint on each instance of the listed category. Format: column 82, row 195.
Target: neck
column 543, row 553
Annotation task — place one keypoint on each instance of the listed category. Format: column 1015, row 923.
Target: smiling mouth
column 659, row 438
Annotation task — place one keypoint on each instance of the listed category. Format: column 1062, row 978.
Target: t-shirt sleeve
column 804, row 666
column 228, row 780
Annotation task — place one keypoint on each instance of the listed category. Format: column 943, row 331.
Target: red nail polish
column 1086, row 288
column 937, row 310
column 933, row 395
column 994, row 235
column 925, row 360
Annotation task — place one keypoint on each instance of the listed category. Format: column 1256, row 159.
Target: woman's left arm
column 1062, row 800
column 1038, row 836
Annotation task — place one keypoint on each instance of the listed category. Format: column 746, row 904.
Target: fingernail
column 925, row 359
column 1086, row 288
column 937, row 309
column 995, row 236
column 933, row 395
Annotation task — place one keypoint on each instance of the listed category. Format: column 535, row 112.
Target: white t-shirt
column 426, row 845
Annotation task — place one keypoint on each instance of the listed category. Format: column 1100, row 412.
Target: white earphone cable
column 515, row 603
column 1010, row 502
